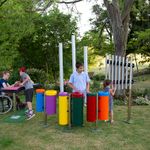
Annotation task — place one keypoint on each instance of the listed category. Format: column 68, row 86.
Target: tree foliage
column 139, row 27
column 31, row 30
column 102, row 29
column 141, row 44
column 40, row 49
column 31, row 39
column 15, row 23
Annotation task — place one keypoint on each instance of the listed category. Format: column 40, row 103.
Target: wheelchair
column 6, row 104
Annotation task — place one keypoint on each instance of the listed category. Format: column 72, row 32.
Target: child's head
column 22, row 70
column 79, row 67
column 6, row 75
column 107, row 83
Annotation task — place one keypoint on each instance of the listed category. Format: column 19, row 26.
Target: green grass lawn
column 32, row 135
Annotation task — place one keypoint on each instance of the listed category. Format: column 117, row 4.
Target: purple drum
column 50, row 102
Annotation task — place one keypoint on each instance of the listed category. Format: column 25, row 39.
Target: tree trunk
column 120, row 24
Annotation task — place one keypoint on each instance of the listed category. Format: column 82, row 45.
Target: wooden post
column 14, row 102
column 69, row 111
column 45, row 115
column 45, row 119
column 96, row 123
column 129, row 106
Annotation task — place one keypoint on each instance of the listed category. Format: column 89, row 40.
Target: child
column 28, row 84
column 4, row 84
column 4, row 81
column 107, row 88
column 79, row 80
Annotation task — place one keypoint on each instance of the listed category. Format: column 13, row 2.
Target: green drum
column 77, row 100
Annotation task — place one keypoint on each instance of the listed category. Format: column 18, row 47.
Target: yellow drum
column 63, row 108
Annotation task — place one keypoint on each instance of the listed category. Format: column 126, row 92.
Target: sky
column 85, row 10
column 86, row 13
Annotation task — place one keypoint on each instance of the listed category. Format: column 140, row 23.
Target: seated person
column 4, row 81
column 4, row 84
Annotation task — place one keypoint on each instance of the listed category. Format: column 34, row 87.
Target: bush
column 147, row 93
column 137, row 92
column 14, row 76
column 141, row 101
column 99, row 77
column 141, row 92
column 56, row 86
column 95, row 86
column 119, row 102
column 50, row 86
column 37, row 75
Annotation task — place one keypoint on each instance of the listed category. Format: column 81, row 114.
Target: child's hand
column 78, row 91
column 21, row 84
column 88, row 91
column 114, row 89
column 17, row 83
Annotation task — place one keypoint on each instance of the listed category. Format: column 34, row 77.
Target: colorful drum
column 40, row 100
column 63, row 108
column 50, row 102
column 91, row 107
column 77, row 100
column 103, row 105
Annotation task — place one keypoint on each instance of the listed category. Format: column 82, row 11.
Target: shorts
column 29, row 95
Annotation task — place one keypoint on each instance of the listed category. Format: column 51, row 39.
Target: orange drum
column 103, row 105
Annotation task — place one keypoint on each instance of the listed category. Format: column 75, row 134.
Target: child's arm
column 88, row 87
column 112, row 91
column 10, row 85
column 26, row 80
column 17, row 83
column 72, row 86
column 70, row 83
column 13, row 85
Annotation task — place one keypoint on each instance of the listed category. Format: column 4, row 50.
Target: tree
column 139, row 21
column 119, row 15
column 141, row 44
column 120, row 18
column 40, row 49
column 43, row 5
column 15, row 23
column 139, row 24
column 100, row 36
